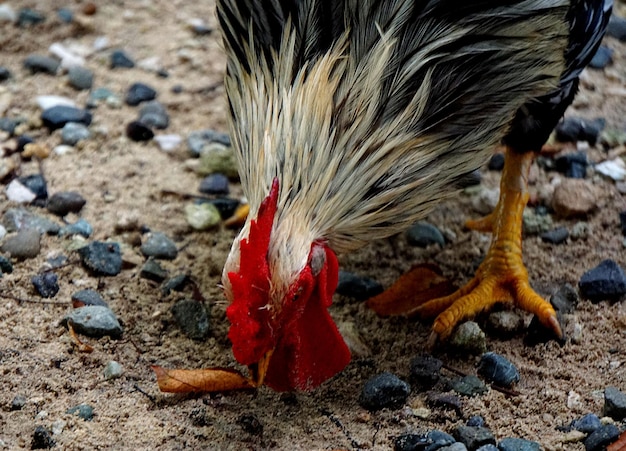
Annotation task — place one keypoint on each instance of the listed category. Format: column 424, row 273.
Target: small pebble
column 66, row 202
column 475, row 421
column 574, row 197
column 599, row 439
column 175, row 283
column 606, row 281
column 425, row 371
column 18, row 402
column 74, row 132
column 7, row 14
column 41, row 64
column 555, row 236
column 423, row 234
column 80, row 227
column 197, row 141
column 457, row 446
column 438, row 439
column 614, row 169
column 485, row 200
column 498, row 370
column 574, row 129
column 8, row 125
column 57, row 116
column 214, row 184
column 411, row 442
column 487, row 447
column 202, row 216
column 217, row 158
column 65, row 15
column 99, row 95
column 139, row 92
column 587, row 423
column 384, row 391
column 5, row 73
column 113, row 370
column 154, row 115
column 94, row 321
column 87, row 297
column 580, row 230
column 225, row 206
column 617, row 28
column 24, row 244
column 119, row 58
column 152, row 270
column 193, row 318
column 48, row 101
column 42, row 439
column 468, row 337
column 565, row 299
column 473, row 437
column 84, row 411
column 138, row 131
column 496, row 163
column 103, row 258
column 22, row 142
column 168, row 143
column 357, row 287
column 518, row 444
column 469, row 386
column 573, row 165
column 159, row 245
column 68, row 57
column 250, row 424
column 614, row 403
column 35, row 183
column 505, row 322
column 199, row 26
column 46, row 284
column 28, row 17
column 17, row 219
column 6, row 267
column 17, row 192
column 444, row 401
column 602, row 58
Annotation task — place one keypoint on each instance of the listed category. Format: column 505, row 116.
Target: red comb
column 248, row 312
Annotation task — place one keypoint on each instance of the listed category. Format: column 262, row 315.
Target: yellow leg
column 502, row 276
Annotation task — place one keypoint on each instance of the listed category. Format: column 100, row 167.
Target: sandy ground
column 119, row 178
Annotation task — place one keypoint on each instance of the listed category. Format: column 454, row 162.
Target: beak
column 259, row 369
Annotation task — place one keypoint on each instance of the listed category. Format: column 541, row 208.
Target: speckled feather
column 369, row 115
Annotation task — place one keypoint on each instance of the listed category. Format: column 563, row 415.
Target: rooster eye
column 298, row 293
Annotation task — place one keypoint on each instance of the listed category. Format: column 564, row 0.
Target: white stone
column 3, row 231
column 573, row 400
column 7, row 14
column 16, row 192
column 168, row 142
column 615, row 169
column 48, row 101
column 100, row 43
column 62, row 149
column 150, row 64
column 67, row 57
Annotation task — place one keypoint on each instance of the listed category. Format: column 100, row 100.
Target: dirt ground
column 120, row 178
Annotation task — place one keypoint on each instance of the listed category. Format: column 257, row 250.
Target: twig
column 337, row 422
column 147, row 395
column 31, row 301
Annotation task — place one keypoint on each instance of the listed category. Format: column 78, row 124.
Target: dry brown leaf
column 421, row 284
column 619, row 445
column 204, row 380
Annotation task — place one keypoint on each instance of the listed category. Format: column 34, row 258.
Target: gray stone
column 357, row 287
column 193, row 318
column 84, row 411
column 423, row 234
column 468, row 337
column 384, row 391
column 119, row 59
column 80, row 77
column 46, row 284
column 154, row 115
column 614, row 403
column 469, row 386
column 57, row 116
column 73, row 132
column 152, row 270
column 599, row 439
column 113, row 370
column 474, row 437
column 425, row 371
column 24, row 244
column 103, row 258
column 139, row 92
column 40, row 63
column 80, row 227
column 94, row 321
column 196, row 141
column 159, row 245
column 607, row 281
column 497, row 369
column 87, row 297
column 518, row 444
column 202, row 216
column 18, row 219
column 505, row 322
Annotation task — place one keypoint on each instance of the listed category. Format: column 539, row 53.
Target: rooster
column 351, row 120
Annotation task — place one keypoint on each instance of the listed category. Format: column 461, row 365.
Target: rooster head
column 281, row 328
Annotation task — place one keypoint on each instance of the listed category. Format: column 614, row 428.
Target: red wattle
column 311, row 350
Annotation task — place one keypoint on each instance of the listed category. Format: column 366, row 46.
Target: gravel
column 73, row 132
column 614, row 403
column 192, row 318
column 41, row 64
column 57, row 116
column 86, row 297
column 159, row 245
column 497, row 369
column 385, row 390
column 24, row 244
column 46, row 284
column 138, row 93
column 357, row 287
column 607, row 281
column 94, row 321
column 423, row 234
column 103, row 258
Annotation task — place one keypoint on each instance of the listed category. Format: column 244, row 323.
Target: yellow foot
column 502, row 276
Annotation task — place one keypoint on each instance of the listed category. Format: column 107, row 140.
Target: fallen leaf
column 82, row 347
column 421, row 284
column 204, row 380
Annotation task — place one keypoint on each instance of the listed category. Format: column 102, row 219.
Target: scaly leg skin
column 502, row 276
